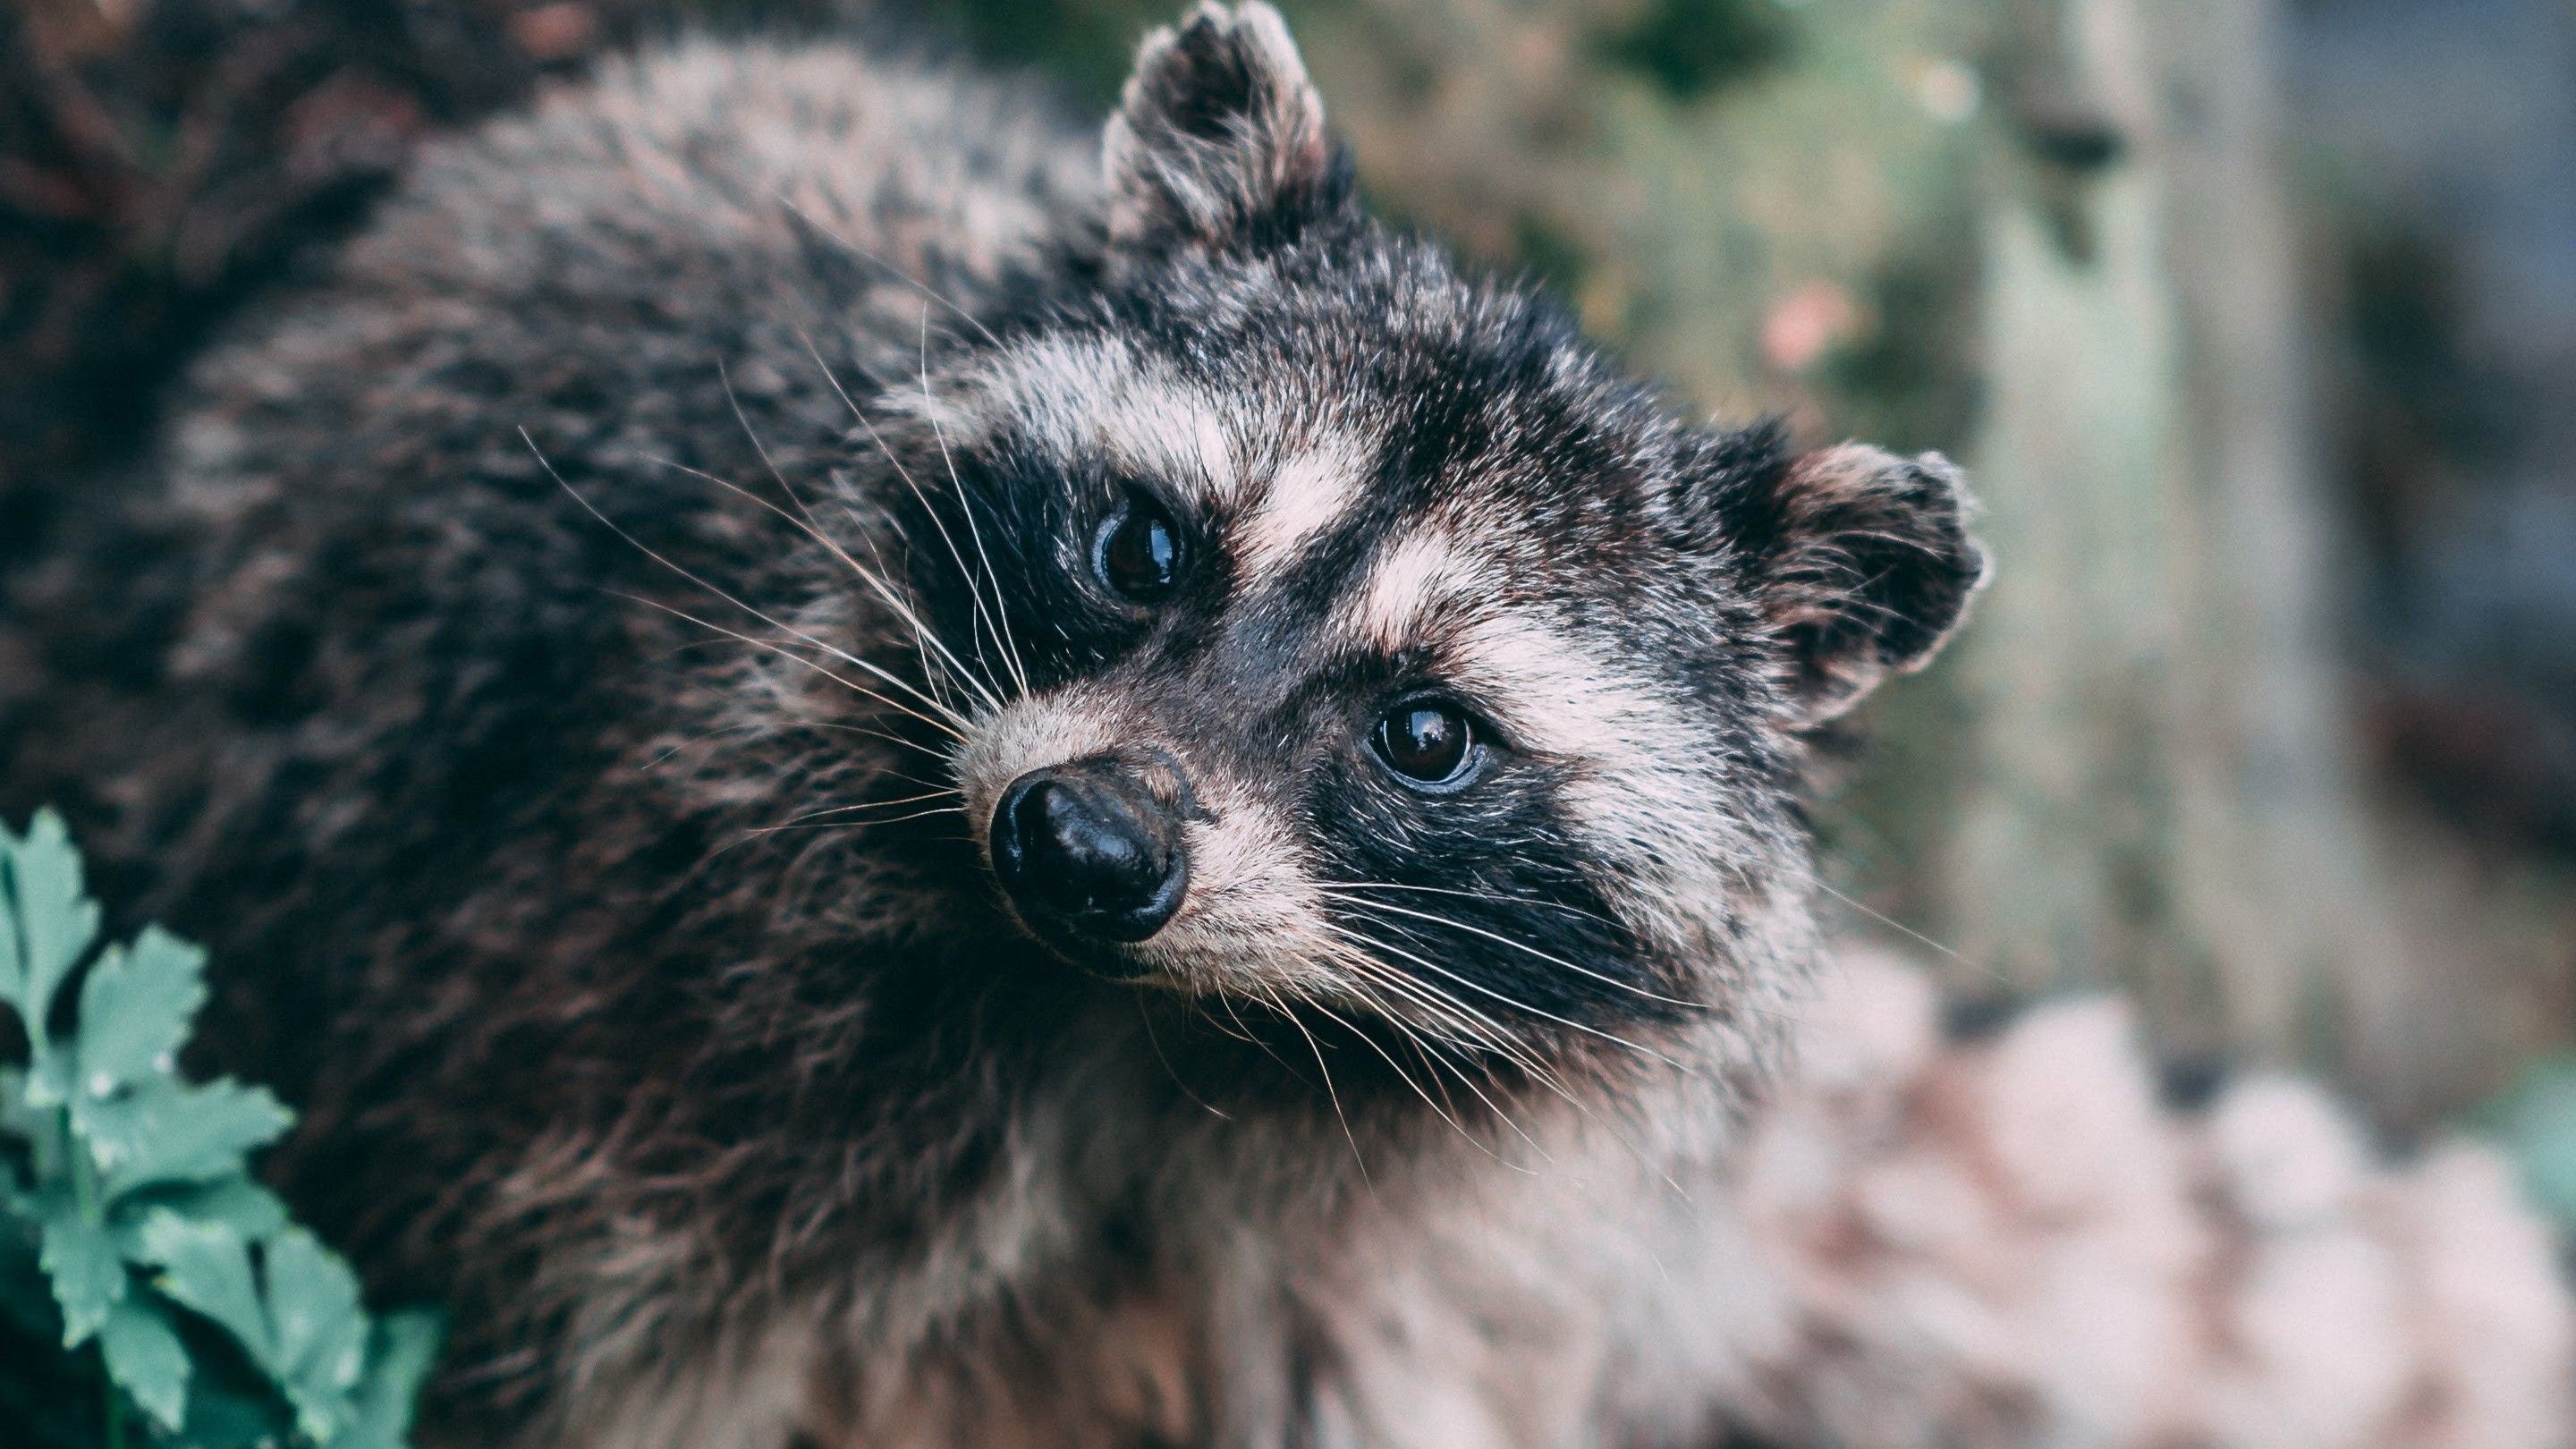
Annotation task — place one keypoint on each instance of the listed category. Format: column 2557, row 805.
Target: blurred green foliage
column 2535, row 1122
column 1693, row 47
column 186, row 1307
column 1085, row 43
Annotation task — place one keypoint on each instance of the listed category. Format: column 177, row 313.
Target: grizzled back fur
column 882, row 771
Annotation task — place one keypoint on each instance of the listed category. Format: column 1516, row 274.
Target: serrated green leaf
column 135, row 1007
column 26, row 1298
column 169, row 1159
column 167, row 1131
column 321, row 1331
column 206, row 1268
column 42, row 877
column 401, row 1351
column 251, row 1211
column 81, row 1262
column 147, row 1360
column 313, row 1305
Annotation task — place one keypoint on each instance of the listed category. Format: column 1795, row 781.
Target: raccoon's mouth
column 1091, row 861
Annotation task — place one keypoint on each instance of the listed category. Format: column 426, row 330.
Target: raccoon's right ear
column 1861, row 559
column 1219, row 137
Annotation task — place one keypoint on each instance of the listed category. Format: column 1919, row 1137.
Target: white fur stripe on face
column 1414, row 580
column 1306, row 495
column 1645, row 775
column 1644, row 769
column 1565, row 696
column 1094, row 396
column 1558, row 692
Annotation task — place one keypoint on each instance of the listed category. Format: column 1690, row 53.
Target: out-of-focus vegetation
column 2535, row 1120
column 2241, row 312
column 187, row 1309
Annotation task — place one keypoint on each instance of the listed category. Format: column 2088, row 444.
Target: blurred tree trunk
column 2163, row 794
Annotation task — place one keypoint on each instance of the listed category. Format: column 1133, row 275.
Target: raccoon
column 887, row 770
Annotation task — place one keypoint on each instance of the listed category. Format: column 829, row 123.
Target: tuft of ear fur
column 1219, row 136
column 1865, row 565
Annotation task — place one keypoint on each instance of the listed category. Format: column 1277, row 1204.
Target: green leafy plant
column 189, row 1308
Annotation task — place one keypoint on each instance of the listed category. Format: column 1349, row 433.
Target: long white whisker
column 1333, row 1096
column 966, row 507
column 1482, row 1030
column 813, row 528
column 1244, row 1033
column 892, row 739
column 898, row 273
column 1493, row 897
column 1436, row 1053
column 1546, row 1079
column 1444, row 1114
column 828, row 648
column 911, row 618
column 1376, row 975
column 1894, row 924
column 974, row 588
column 1550, row 1081
column 1482, row 989
column 1600, row 976
column 922, row 635
column 869, row 805
column 856, row 824
column 785, row 653
column 662, row 757
column 1145, row 1014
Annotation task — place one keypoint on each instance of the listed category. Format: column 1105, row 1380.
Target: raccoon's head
column 1358, row 639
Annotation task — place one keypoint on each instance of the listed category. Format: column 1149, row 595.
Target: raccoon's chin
column 1075, row 950
column 1108, row 962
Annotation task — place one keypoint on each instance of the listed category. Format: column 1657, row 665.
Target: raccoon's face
column 1358, row 641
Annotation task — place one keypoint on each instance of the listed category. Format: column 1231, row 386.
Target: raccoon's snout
column 1086, row 849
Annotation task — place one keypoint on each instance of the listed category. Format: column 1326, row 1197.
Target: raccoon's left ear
column 1862, row 560
column 1219, row 136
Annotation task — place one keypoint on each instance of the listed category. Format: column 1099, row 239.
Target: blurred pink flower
column 1801, row 326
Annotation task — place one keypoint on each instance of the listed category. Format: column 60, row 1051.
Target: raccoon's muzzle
column 1085, row 850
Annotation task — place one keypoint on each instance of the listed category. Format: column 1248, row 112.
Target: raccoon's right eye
column 1137, row 553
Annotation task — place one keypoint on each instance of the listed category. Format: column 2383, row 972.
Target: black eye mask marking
column 1486, row 897
column 1448, row 852
column 1083, row 562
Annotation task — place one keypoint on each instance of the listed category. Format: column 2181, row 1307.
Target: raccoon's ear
column 1862, row 560
column 1219, row 136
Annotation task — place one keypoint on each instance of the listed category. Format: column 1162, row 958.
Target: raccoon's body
column 884, row 774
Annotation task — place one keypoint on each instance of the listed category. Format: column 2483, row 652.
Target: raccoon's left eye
column 1429, row 743
column 1137, row 553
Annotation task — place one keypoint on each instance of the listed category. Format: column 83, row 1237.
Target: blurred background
column 2254, row 321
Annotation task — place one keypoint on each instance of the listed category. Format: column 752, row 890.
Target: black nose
column 1084, row 848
